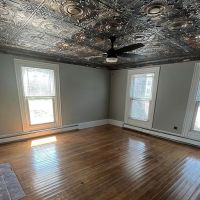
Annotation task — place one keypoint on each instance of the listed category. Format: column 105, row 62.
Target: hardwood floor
column 105, row 163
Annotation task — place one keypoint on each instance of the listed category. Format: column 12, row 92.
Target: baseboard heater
column 179, row 139
column 39, row 133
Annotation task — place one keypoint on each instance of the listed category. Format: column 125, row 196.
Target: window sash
column 32, row 84
column 144, row 88
column 28, row 112
column 139, row 118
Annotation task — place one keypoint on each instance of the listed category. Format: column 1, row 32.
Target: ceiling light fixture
column 111, row 56
column 111, row 59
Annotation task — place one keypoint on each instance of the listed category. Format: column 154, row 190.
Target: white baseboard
column 65, row 128
column 165, row 135
column 115, row 122
column 93, row 123
column 33, row 134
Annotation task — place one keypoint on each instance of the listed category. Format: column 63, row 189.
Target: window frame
column 192, row 107
column 26, row 122
column 135, row 122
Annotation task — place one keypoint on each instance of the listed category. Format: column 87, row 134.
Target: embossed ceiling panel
column 78, row 31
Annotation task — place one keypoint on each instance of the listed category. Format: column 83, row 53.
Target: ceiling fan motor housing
column 111, row 56
column 111, row 53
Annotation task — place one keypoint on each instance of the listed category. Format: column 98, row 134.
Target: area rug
column 10, row 188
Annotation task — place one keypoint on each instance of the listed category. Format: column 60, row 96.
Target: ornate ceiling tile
column 179, row 24
column 79, row 10
column 79, row 30
column 53, row 28
column 53, row 5
column 193, row 40
column 109, row 27
column 138, row 37
column 6, row 13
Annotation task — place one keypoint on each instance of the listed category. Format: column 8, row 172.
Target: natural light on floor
column 43, row 141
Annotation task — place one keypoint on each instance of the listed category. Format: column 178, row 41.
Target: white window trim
column 191, row 105
column 58, row 119
column 145, row 124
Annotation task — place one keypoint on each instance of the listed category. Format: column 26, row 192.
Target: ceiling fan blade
column 129, row 48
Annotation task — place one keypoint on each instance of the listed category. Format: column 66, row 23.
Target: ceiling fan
column 112, row 54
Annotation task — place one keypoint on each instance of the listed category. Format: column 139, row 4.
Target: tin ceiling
column 78, row 31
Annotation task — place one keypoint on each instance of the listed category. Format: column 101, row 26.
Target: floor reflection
column 45, row 163
column 43, row 141
column 191, row 170
column 135, row 158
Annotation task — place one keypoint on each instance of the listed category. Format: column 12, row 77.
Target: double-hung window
column 38, row 85
column 192, row 117
column 196, row 121
column 141, row 92
column 141, row 96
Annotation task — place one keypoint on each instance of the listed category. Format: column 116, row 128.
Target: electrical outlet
column 175, row 128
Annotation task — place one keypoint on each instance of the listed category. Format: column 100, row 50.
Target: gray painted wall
column 172, row 96
column 118, row 94
column 84, row 95
column 173, row 91
column 10, row 117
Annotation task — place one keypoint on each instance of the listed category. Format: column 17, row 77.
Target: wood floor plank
column 105, row 163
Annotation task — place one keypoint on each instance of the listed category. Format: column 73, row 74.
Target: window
column 196, row 126
column 191, row 127
column 141, row 95
column 197, row 119
column 141, row 90
column 39, row 94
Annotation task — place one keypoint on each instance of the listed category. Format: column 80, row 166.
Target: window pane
column 41, row 111
column 197, row 119
column 140, row 110
column 38, row 82
column 142, row 86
